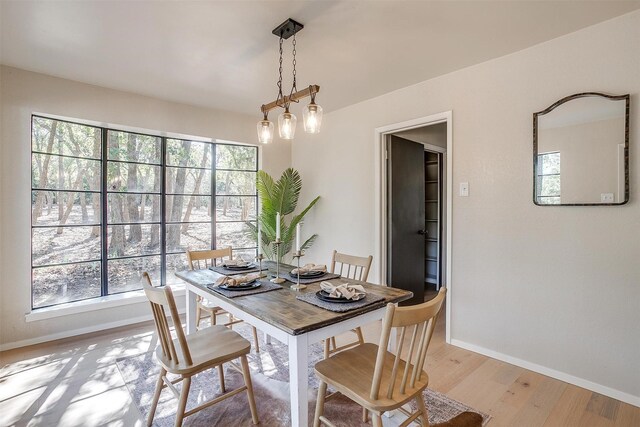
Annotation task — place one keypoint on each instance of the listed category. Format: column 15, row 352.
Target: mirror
column 581, row 151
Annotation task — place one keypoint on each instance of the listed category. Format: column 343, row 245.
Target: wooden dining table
column 296, row 323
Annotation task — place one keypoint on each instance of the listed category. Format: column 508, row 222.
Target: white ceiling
column 222, row 53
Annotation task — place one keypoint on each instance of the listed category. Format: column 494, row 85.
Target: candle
column 298, row 237
column 259, row 239
column 277, row 226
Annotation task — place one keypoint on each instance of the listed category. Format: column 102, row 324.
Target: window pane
column 126, row 274
column 234, row 234
column 133, row 177
column 233, row 182
column 188, row 153
column 133, row 147
column 549, row 200
column 64, row 244
column 74, row 208
column 188, row 181
column 233, row 208
column 133, row 208
column 236, row 157
column 186, row 237
column 188, row 208
column 65, row 173
column 175, row 263
column 548, row 163
column 70, row 139
column 549, row 185
column 65, row 283
column 131, row 240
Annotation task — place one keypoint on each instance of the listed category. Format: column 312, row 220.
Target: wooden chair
column 377, row 379
column 357, row 268
column 205, row 259
column 188, row 355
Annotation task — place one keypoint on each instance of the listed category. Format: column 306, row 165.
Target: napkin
column 345, row 290
column 235, row 263
column 232, row 281
column 308, row 268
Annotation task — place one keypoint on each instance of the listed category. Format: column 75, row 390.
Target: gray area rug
column 270, row 377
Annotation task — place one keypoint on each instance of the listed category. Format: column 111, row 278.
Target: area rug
column 270, row 375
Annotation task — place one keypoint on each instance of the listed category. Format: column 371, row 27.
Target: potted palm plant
column 280, row 196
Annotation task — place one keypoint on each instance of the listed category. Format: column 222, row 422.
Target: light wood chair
column 206, row 259
column 357, row 268
column 188, row 355
column 377, row 379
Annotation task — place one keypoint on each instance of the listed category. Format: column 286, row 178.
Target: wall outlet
column 464, row 189
column 606, row 197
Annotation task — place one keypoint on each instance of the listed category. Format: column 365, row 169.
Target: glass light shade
column 287, row 125
column 265, row 131
column 312, row 118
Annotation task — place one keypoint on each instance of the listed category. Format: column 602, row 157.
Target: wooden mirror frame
column 626, row 145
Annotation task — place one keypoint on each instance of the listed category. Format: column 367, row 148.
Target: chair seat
column 207, row 305
column 208, row 347
column 351, row 373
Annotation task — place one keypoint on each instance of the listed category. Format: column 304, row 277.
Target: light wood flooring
column 75, row 382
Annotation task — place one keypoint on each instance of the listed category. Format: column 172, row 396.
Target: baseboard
column 80, row 331
column 562, row 376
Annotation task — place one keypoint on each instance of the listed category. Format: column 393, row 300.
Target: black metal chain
column 294, row 87
column 280, row 98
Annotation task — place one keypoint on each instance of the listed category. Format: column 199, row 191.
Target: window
column 548, row 177
column 108, row 205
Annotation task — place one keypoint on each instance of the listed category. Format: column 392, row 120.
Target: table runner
column 338, row 307
column 266, row 287
column 304, row 281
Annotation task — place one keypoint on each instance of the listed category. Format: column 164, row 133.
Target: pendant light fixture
column 312, row 114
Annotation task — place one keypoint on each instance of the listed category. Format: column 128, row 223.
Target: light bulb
column 312, row 118
column 265, row 131
column 287, row 125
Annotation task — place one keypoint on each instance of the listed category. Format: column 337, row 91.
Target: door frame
column 380, row 183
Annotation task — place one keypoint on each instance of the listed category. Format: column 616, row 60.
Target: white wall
column 555, row 288
column 23, row 93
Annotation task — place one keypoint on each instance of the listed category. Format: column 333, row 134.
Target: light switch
column 606, row 197
column 464, row 189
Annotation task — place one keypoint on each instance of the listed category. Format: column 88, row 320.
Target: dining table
column 280, row 314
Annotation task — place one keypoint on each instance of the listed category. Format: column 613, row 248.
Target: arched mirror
column 581, row 151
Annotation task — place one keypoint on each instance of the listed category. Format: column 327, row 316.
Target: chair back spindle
column 350, row 266
column 419, row 321
column 197, row 260
column 160, row 298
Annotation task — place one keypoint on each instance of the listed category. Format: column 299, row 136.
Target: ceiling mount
column 287, row 28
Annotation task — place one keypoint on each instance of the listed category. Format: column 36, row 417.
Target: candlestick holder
column 298, row 286
column 277, row 279
column 259, row 258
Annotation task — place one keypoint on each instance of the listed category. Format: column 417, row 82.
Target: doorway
column 413, row 175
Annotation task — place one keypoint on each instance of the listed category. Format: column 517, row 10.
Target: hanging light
column 312, row 114
column 287, row 124
column 265, row 130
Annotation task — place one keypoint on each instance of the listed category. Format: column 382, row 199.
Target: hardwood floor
column 75, row 382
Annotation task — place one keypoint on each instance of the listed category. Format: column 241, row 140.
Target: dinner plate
column 239, row 267
column 246, row 287
column 324, row 296
column 308, row 275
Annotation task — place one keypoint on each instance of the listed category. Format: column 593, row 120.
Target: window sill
column 110, row 301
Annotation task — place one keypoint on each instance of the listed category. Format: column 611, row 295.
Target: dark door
column 405, row 217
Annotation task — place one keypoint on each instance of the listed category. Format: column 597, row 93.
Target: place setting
column 232, row 267
column 241, row 285
column 340, row 297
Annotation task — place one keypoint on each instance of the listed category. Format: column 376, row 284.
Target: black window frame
column 105, row 192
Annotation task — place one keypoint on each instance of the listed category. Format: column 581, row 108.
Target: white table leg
column 299, row 379
column 267, row 338
column 191, row 311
